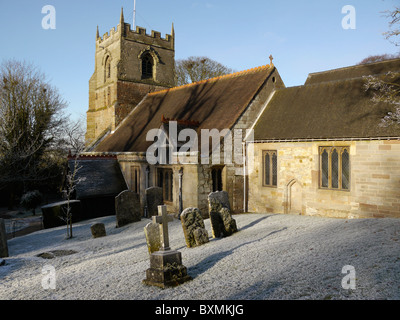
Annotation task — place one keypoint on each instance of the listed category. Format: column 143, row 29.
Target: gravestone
column 229, row 223
column 154, row 198
column 222, row 223
column 127, row 208
column 193, row 227
column 166, row 268
column 3, row 240
column 98, row 230
column 200, row 236
column 152, row 233
column 218, row 200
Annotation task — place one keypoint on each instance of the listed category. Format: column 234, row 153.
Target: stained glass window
column 324, row 169
column 270, row 168
column 345, row 170
column 335, row 168
column 267, row 170
column 274, row 169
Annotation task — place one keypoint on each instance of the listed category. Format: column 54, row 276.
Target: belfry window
column 107, row 69
column 334, row 168
column 147, row 66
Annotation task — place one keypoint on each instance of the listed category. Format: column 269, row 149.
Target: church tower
column 128, row 65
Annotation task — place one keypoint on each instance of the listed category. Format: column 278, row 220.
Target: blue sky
column 303, row 36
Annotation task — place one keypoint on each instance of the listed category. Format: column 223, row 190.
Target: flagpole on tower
column 134, row 15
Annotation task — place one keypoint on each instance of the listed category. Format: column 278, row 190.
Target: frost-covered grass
column 271, row 257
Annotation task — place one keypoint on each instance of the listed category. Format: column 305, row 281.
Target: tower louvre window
column 147, row 66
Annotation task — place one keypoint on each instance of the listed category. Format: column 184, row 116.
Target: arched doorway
column 294, row 194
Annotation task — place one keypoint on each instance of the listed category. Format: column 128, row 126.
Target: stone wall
column 374, row 181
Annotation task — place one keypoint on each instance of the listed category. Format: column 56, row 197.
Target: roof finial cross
column 271, row 58
column 163, row 218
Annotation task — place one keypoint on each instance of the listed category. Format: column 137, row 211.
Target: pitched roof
column 356, row 71
column 331, row 105
column 213, row 103
column 98, row 177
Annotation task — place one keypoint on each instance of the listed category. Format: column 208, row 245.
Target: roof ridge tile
column 230, row 75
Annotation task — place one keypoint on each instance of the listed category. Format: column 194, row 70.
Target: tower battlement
column 139, row 34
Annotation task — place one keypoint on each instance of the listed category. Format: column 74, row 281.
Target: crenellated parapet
column 140, row 34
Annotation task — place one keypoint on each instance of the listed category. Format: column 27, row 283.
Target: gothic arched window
column 335, row 168
column 147, row 66
column 107, row 69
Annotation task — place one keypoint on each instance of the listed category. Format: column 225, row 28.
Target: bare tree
column 386, row 88
column 394, row 31
column 31, row 120
column 195, row 69
column 71, row 181
column 379, row 58
column 74, row 141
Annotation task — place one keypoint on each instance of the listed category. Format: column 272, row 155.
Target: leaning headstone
column 229, row 223
column 200, row 236
column 222, row 223
column 3, row 240
column 98, row 230
column 166, row 268
column 127, row 208
column 192, row 223
column 217, row 225
column 154, row 198
column 218, row 200
column 152, row 233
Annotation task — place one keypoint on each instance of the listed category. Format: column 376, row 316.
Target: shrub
column 31, row 200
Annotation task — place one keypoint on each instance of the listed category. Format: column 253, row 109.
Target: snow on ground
column 271, row 257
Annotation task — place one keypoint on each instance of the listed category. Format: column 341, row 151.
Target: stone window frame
column 153, row 54
column 273, row 180
column 340, row 150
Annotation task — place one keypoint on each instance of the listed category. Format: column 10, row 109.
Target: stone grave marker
column 127, row 208
column 154, row 198
column 166, row 268
column 152, row 234
column 222, row 223
column 218, row 200
column 98, row 230
column 193, row 227
column 3, row 240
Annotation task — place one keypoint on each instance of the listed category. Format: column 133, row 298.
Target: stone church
column 317, row 149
